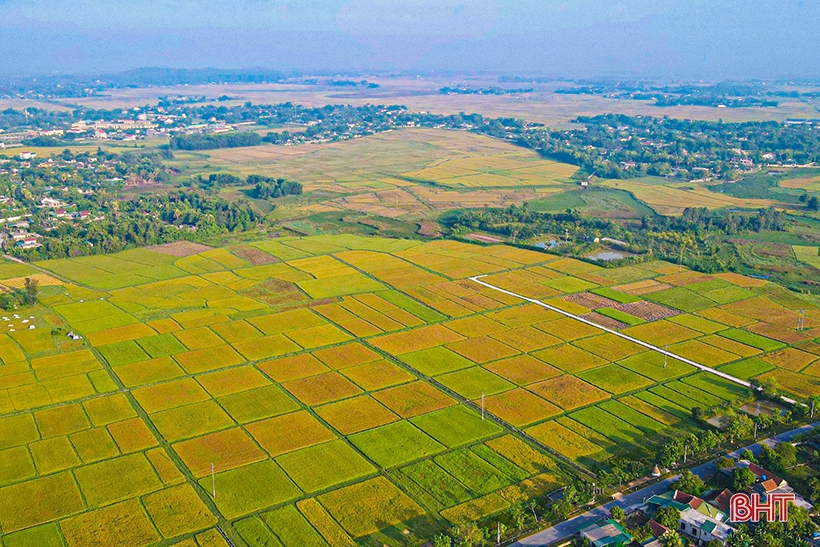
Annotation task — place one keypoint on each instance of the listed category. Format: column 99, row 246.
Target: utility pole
column 213, row 480
column 801, row 318
column 482, row 406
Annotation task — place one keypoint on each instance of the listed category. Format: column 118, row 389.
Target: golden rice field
column 329, row 396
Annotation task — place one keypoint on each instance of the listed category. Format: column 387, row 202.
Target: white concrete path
column 710, row 370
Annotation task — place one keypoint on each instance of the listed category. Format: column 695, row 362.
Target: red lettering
column 744, row 508
column 740, row 508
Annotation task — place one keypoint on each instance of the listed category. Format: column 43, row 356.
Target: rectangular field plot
column 615, row 379
column 148, row 372
column 659, row 415
column 191, row 420
column 661, row 333
column 178, row 510
column 415, row 340
column 748, row 368
column 476, row 509
column 413, row 399
column 523, row 369
column 369, row 507
column 324, row 465
column 357, row 414
column 456, row 426
column 656, row 366
column 569, row 358
column 564, row 441
column 609, row 347
column 675, row 397
column 250, row 488
column 123, row 353
column 324, row 388
column 522, row 454
column 631, row 416
column 717, row 386
column 169, row 395
column 289, row 432
column 790, row 359
column 258, row 403
column 378, row 375
column 681, row 298
column 117, row 479
column 705, row 399
column 520, row 407
column 471, row 382
column 703, row 354
column 124, row 522
column 346, row 355
column 434, row 480
column 224, row 450
column 666, row 404
column 803, row 386
column 472, row 471
column 482, row 350
column 395, row 444
column 291, row 528
column 751, row 339
column 609, row 425
column 568, row 392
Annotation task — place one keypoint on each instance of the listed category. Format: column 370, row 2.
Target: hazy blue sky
column 677, row 38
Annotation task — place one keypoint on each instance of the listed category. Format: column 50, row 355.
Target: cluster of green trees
column 146, row 220
column 518, row 519
column 202, row 141
column 620, row 146
column 27, row 296
column 698, row 231
column 264, row 187
column 492, row 90
column 269, row 188
column 792, row 533
column 727, row 94
column 613, row 146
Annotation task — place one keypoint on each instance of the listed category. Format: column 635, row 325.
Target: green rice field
column 332, row 393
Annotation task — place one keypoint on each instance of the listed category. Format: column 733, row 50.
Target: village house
column 606, row 533
column 700, row 521
column 767, row 483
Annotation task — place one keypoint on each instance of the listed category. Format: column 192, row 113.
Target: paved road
column 570, row 527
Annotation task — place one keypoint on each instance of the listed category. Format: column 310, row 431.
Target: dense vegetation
column 147, row 220
column 654, row 237
column 219, row 140
column 620, row 146
column 466, row 90
column 26, row 296
column 267, row 187
column 721, row 94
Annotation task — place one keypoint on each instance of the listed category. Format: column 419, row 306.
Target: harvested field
column 648, row 311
